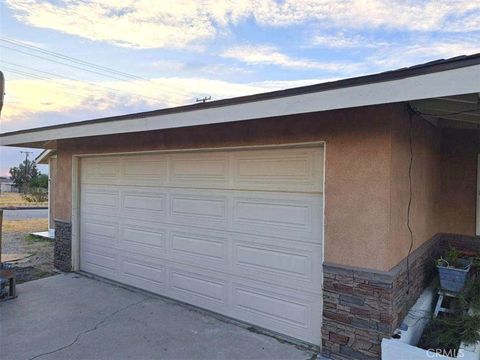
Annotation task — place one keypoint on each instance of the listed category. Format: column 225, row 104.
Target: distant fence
column 6, row 187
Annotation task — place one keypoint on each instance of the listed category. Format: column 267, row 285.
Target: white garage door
column 238, row 232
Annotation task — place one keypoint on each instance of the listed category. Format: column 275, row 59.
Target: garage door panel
column 274, row 213
column 194, row 287
column 101, row 198
column 102, row 167
column 144, row 170
column 99, row 260
column 197, row 247
column 143, row 204
column 275, row 260
column 279, row 169
column 267, row 169
column 278, row 310
column 142, row 283
column 96, row 232
column 290, row 262
column 143, row 270
column 142, row 240
column 201, row 169
column 98, row 229
column 236, row 232
column 99, row 201
column 201, row 210
column 99, row 242
column 278, row 214
column 97, row 169
column 105, row 261
column 270, row 305
column 95, row 268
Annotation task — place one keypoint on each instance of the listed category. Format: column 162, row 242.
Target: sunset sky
column 74, row 60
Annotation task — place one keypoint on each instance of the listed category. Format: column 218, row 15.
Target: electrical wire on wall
column 412, row 113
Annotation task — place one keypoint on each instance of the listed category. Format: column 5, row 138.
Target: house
column 7, row 185
column 313, row 212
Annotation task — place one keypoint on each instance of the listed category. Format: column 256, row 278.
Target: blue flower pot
column 453, row 278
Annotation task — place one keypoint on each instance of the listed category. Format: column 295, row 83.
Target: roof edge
column 43, row 157
column 416, row 70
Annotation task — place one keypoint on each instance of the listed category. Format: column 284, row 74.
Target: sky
column 74, row 60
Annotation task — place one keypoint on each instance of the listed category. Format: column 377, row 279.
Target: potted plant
column 452, row 334
column 453, row 270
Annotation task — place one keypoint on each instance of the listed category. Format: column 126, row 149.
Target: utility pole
column 204, row 99
column 2, row 90
column 27, row 181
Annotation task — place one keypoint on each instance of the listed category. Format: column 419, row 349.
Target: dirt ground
column 31, row 256
column 24, row 226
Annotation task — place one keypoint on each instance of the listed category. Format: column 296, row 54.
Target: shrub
column 450, row 259
column 36, row 195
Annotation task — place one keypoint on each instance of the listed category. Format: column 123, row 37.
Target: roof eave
column 45, row 156
column 448, row 82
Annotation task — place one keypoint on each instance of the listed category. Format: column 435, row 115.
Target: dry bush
column 36, row 195
column 16, row 199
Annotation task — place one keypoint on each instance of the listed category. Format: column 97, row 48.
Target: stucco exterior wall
column 425, row 158
column 53, row 179
column 444, row 183
column 367, row 156
column 458, row 201
column 357, row 197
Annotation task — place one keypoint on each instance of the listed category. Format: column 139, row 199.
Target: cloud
column 25, row 99
column 137, row 24
column 198, row 67
column 342, row 41
column 269, row 55
column 422, row 50
column 443, row 15
column 224, row 69
column 170, row 66
column 189, row 23
column 337, row 41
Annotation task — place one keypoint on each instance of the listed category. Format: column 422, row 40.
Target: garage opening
column 238, row 232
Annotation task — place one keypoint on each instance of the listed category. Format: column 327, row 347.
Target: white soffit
column 461, row 108
column 458, row 81
column 44, row 156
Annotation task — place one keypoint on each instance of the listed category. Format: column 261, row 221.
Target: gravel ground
column 40, row 262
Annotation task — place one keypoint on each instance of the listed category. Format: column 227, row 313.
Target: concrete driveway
column 69, row 316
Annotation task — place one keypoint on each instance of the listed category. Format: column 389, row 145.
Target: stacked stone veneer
column 469, row 244
column 63, row 245
column 360, row 306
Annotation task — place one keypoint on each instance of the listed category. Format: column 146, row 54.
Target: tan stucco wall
column 460, row 149
column 356, row 177
column 444, row 183
column 53, row 179
column 425, row 180
column 366, row 174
